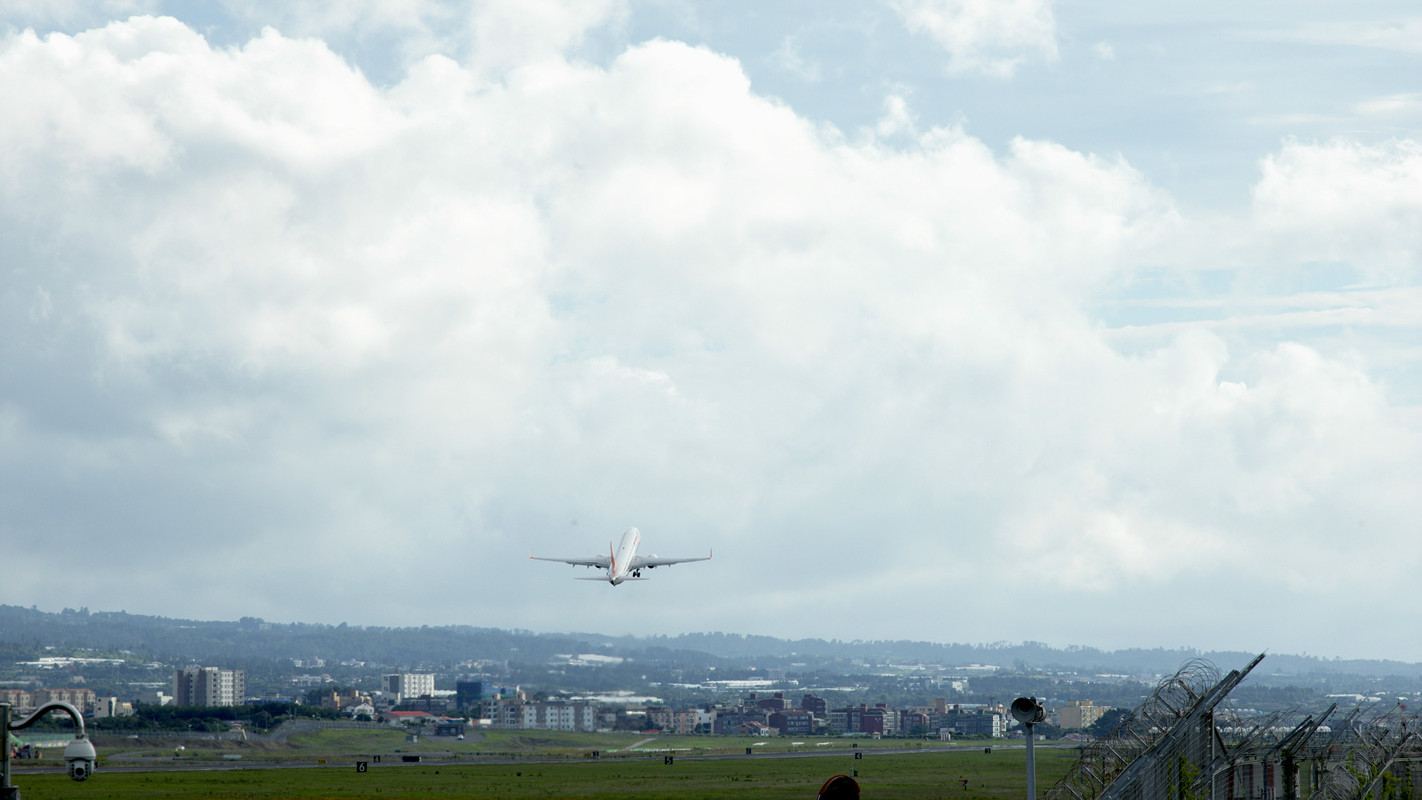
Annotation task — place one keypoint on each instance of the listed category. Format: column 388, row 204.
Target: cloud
column 1345, row 200
column 507, row 32
column 1393, row 105
column 788, row 58
column 258, row 300
column 71, row 13
column 992, row 38
column 1403, row 34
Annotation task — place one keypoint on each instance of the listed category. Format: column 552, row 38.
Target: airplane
column 622, row 562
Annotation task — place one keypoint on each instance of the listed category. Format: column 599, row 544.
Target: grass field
column 930, row 773
column 486, row 745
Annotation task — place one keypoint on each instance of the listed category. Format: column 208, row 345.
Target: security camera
column 1028, row 711
column 80, row 757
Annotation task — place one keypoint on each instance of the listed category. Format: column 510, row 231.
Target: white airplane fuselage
column 622, row 556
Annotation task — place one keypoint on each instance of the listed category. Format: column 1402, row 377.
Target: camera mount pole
column 1029, row 712
column 9, row 791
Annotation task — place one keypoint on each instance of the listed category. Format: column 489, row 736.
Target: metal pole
column 7, row 792
column 1031, row 765
column 1029, row 712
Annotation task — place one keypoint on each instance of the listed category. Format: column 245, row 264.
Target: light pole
column 1029, row 712
column 78, row 754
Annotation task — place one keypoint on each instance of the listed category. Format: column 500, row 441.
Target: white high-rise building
column 209, row 686
column 407, row 686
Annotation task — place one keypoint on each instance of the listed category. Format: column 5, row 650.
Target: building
column 815, row 705
column 564, row 717
column 1080, row 714
column 21, row 700
column 81, row 699
column 209, row 686
column 737, row 721
column 982, row 723
column 468, row 694
column 914, row 722
column 682, row 722
column 879, row 720
column 407, row 686
column 775, row 702
column 338, row 701
column 111, row 707
column 793, row 721
column 398, row 718
column 502, row 712
column 550, row 716
column 445, row 726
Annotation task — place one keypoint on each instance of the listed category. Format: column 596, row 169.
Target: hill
column 28, row 633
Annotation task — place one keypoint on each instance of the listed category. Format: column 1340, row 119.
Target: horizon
column 986, row 646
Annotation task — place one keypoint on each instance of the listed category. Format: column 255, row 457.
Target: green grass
column 307, row 747
column 511, row 741
column 933, row 773
column 715, row 745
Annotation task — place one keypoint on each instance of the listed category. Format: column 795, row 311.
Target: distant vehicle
column 622, row 562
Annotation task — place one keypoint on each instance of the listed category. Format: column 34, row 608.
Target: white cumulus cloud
column 1344, row 200
column 984, row 36
column 254, row 296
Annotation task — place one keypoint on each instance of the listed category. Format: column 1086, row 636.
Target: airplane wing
column 648, row 562
column 601, row 562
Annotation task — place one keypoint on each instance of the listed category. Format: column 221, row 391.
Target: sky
column 1088, row 323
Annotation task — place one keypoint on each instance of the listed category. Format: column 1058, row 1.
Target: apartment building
column 407, row 686
column 24, row 701
column 968, row 723
column 671, row 721
column 209, row 686
column 549, row 716
column 1080, row 714
column 793, row 722
column 815, row 705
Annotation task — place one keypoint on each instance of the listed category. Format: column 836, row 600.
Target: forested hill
column 25, row 632
column 181, row 639
column 1036, row 655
